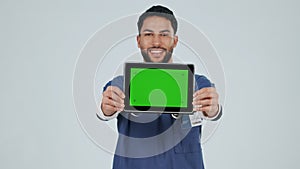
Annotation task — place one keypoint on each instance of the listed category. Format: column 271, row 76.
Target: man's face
column 157, row 40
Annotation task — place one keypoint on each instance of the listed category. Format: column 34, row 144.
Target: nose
column 156, row 40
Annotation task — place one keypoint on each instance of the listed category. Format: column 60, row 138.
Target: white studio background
column 257, row 42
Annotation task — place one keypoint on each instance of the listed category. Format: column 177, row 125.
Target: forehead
column 157, row 23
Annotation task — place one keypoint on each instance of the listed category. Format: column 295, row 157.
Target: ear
column 138, row 40
column 175, row 40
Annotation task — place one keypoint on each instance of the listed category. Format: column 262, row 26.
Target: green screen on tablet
column 158, row 87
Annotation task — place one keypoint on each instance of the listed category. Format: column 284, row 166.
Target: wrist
column 217, row 116
column 212, row 115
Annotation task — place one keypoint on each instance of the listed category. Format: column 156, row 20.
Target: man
column 171, row 144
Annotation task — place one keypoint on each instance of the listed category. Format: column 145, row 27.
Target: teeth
column 156, row 51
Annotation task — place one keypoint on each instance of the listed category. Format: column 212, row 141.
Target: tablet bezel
column 157, row 109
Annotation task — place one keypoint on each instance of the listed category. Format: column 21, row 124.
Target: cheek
column 169, row 44
column 144, row 44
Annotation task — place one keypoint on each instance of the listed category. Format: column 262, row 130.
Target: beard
column 166, row 58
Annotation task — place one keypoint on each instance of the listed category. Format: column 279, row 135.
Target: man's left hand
column 206, row 100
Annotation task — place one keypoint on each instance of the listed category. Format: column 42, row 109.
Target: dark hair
column 158, row 11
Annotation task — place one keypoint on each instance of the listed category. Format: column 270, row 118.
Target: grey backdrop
column 257, row 41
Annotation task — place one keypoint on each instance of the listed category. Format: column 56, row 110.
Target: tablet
column 158, row 87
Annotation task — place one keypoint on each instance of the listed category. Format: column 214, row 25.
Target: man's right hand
column 112, row 100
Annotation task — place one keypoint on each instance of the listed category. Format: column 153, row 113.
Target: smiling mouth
column 156, row 52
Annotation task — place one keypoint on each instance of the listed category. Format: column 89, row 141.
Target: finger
column 205, row 102
column 112, row 95
column 116, row 90
column 204, row 90
column 196, row 107
column 209, row 111
column 110, row 108
column 206, row 95
column 203, row 108
column 111, row 102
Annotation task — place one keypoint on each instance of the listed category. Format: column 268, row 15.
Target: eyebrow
column 149, row 30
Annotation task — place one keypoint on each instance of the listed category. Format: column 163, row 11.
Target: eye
column 164, row 34
column 148, row 34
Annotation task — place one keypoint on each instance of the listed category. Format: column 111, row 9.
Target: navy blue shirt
column 157, row 141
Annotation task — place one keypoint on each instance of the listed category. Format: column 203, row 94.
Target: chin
column 157, row 60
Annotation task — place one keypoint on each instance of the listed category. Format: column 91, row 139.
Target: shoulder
column 201, row 81
column 117, row 81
